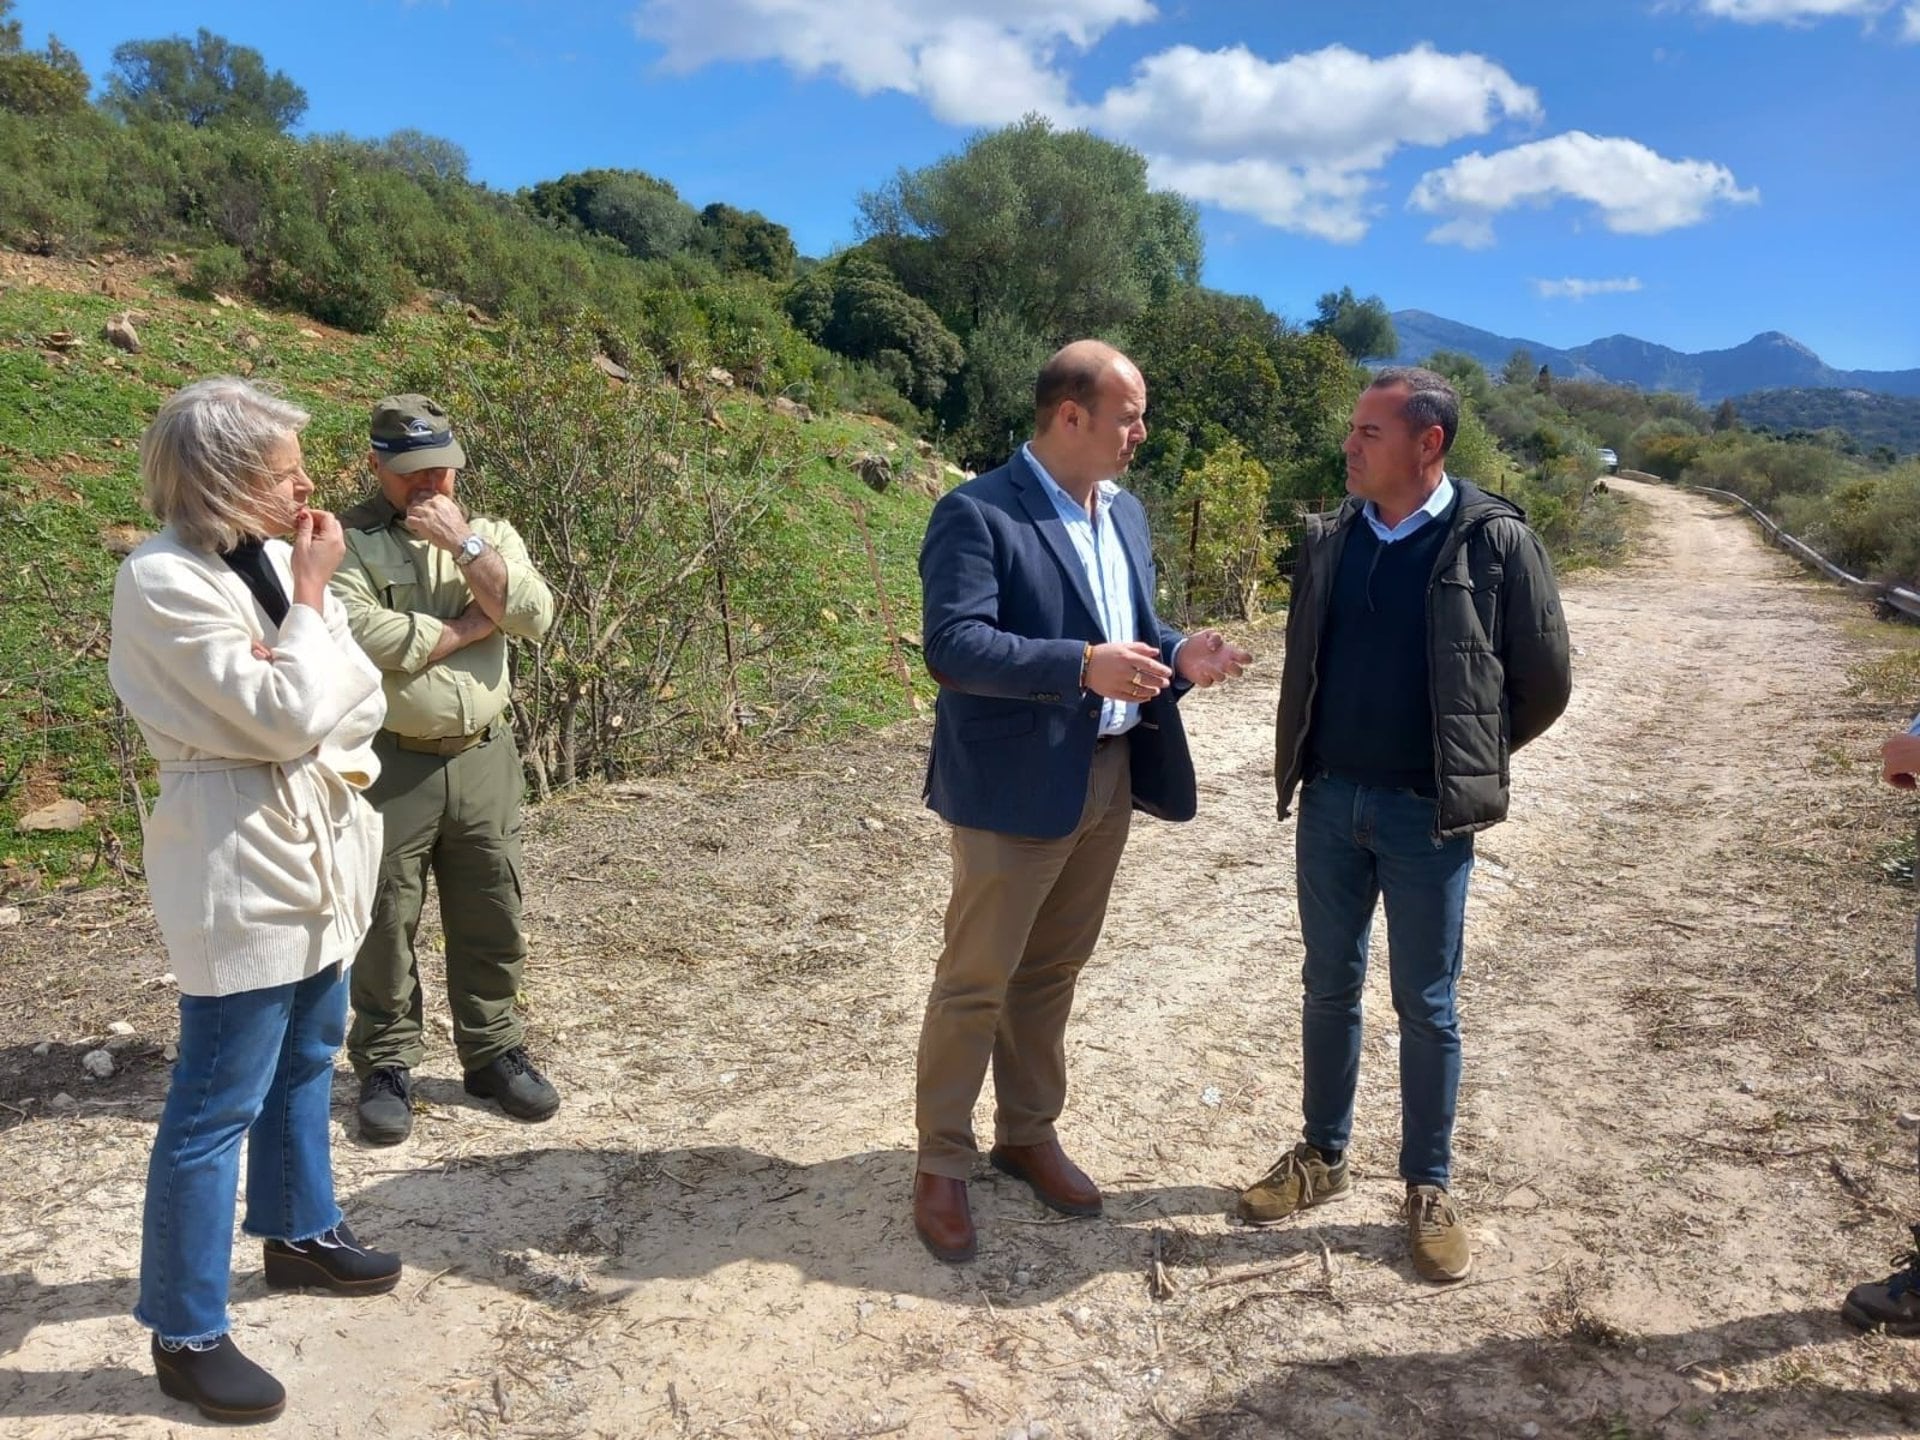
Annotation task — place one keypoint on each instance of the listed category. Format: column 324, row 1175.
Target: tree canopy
column 207, row 80
column 1363, row 327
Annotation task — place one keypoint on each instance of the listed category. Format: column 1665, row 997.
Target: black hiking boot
column 523, row 1092
column 386, row 1106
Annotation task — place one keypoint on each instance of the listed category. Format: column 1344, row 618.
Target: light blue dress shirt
column 1096, row 540
column 1435, row 507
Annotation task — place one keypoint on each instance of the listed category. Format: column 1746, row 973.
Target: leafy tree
column 991, row 410
column 854, row 307
column 49, row 82
column 1223, row 368
column 1468, row 375
column 1726, row 417
column 644, row 215
column 1221, row 548
column 424, row 156
column 204, row 81
column 747, row 242
column 1519, row 368
column 1055, row 227
column 1363, row 327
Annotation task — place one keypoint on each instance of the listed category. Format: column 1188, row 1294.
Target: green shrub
column 218, row 269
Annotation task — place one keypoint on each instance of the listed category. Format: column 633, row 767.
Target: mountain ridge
column 1770, row 360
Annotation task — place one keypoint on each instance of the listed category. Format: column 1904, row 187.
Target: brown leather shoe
column 942, row 1218
column 1058, row 1182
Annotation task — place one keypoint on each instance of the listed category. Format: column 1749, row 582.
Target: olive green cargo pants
column 459, row 815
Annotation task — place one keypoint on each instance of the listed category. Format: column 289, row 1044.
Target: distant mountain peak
column 1771, row 360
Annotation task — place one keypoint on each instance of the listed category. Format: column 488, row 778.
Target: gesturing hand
column 1208, row 657
column 439, row 522
column 1130, row 671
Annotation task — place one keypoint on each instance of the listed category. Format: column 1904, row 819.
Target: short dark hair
column 1431, row 399
column 1072, row 373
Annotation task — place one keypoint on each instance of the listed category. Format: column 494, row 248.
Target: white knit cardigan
column 261, row 853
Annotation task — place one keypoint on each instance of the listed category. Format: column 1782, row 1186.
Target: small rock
column 123, row 540
column 723, row 378
column 864, row 1308
column 169, row 1052
column 1039, row 1430
column 1640, row 1352
column 1907, row 1120
column 226, row 302
column 9, row 915
column 872, row 826
column 306, row 334
column 98, row 1064
column 1745, row 1087
column 1023, row 1277
column 1083, row 1315
column 120, row 1027
column 62, row 1101
column 1530, row 1430
column 612, row 368
column 1210, row 1097
column 63, row 815
column 799, row 1427
column 122, row 336
column 45, row 1047
column 905, row 1302
column 1017, row 1432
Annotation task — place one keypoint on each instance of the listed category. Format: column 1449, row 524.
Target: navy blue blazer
column 1007, row 613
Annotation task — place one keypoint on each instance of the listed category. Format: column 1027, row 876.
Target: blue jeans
column 1355, row 846
column 257, row 1064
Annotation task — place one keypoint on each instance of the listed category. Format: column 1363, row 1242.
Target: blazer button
column 1094, row 714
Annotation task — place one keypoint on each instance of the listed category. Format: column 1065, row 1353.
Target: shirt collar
column 1435, row 506
column 1103, row 493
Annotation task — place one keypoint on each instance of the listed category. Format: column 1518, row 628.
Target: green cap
column 411, row 432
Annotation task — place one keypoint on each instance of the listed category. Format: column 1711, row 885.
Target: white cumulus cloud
column 973, row 62
column 1294, row 142
column 1571, row 289
column 1910, row 25
column 1635, row 190
column 1298, row 143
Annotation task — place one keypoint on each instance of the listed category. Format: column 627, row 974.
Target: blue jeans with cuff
column 257, row 1065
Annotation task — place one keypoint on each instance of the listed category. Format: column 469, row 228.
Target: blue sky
column 1701, row 169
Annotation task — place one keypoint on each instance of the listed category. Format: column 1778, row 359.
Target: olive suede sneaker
column 1442, row 1250
column 1300, row 1180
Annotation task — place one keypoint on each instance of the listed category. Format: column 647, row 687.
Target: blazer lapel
column 1053, row 530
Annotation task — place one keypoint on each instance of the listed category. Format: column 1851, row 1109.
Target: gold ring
column 1137, row 680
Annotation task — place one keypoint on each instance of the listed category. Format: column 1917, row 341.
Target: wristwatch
column 470, row 550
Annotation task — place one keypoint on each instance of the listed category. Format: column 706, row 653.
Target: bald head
column 1090, row 407
column 1073, row 373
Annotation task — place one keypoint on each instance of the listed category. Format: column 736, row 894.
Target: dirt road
column 1689, row 1028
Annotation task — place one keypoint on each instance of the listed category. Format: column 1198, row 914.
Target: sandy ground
column 1689, row 1025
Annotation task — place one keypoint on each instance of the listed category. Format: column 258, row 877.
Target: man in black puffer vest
column 1425, row 644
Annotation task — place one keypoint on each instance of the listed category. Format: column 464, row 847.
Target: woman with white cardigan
column 261, row 855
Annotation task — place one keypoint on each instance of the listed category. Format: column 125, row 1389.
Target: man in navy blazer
column 1056, row 719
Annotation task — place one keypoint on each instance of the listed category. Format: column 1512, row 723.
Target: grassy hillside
column 71, row 411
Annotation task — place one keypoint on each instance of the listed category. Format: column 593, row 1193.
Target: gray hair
column 1431, row 399
column 203, row 460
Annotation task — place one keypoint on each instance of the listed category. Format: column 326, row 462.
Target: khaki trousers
column 1023, row 918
